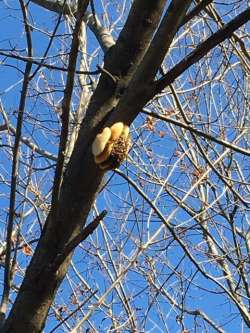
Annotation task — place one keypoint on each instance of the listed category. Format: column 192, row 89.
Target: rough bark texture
column 82, row 177
column 117, row 88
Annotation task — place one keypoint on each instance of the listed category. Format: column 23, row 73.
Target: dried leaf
column 162, row 134
column 150, row 123
column 27, row 250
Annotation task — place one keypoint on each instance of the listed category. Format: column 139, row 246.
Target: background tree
column 172, row 253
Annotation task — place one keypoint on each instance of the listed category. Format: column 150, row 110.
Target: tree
column 168, row 229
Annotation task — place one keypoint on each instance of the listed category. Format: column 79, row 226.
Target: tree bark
column 82, row 177
column 122, row 90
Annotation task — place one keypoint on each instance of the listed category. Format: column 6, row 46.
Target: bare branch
column 103, row 36
column 202, row 49
column 66, row 108
column 190, row 128
column 41, row 63
column 89, row 229
column 15, row 166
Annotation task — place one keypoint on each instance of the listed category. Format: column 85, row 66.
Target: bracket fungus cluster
column 110, row 147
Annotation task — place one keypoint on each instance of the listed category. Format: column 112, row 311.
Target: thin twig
column 66, row 103
column 29, row 143
column 74, row 311
column 49, row 45
column 93, row 11
column 89, row 229
column 171, row 228
column 198, row 132
column 41, row 63
column 195, row 11
column 15, row 166
column 223, row 179
column 201, row 50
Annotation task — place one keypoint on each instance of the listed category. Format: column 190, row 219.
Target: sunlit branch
column 202, row 49
column 15, row 169
column 205, row 135
column 103, row 36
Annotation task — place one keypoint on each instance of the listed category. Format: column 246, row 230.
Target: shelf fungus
column 110, row 147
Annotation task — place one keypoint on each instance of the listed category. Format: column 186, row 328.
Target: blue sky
column 121, row 199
